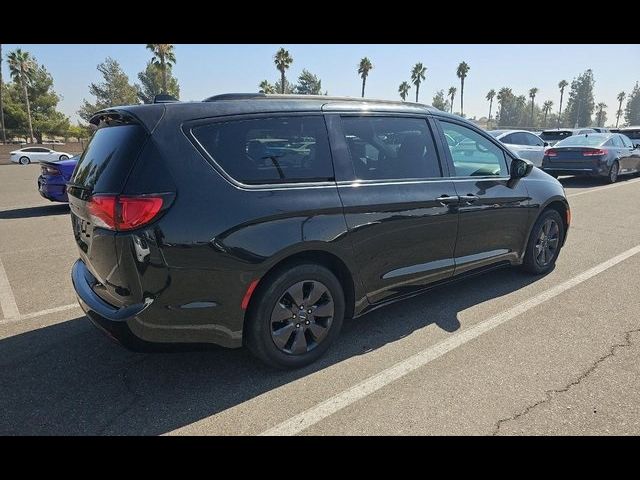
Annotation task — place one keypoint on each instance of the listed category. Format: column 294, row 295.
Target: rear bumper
column 56, row 192
column 121, row 324
column 576, row 170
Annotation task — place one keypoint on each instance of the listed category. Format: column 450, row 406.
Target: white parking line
column 607, row 187
column 7, row 299
column 336, row 403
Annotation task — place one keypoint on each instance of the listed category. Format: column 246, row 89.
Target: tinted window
column 509, row 139
column 472, row 153
column 588, row 130
column 617, row 142
column 384, row 148
column 41, row 150
column 29, row 150
column 626, row 141
column 104, row 165
column 270, row 150
column 633, row 134
column 553, row 135
column 583, row 141
column 519, row 138
column 533, row 140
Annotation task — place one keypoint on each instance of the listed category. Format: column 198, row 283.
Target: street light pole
column 4, row 133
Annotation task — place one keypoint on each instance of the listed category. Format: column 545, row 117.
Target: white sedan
column 523, row 143
column 27, row 155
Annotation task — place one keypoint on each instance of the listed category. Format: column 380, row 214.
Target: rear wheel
column 24, row 161
column 64, row 157
column 544, row 243
column 613, row 172
column 295, row 317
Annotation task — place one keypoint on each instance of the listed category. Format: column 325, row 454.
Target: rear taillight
column 120, row 212
column 596, row 152
column 550, row 152
column 48, row 170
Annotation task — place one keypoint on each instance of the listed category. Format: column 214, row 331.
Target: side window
column 625, row 140
column 472, row 153
column 391, row 148
column 533, row 140
column 616, row 141
column 270, row 150
column 520, row 138
column 29, row 149
column 510, row 139
column 41, row 150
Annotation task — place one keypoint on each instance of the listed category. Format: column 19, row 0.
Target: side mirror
column 520, row 168
column 545, row 144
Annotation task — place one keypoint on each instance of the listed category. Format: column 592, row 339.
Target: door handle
column 448, row 200
column 469, row 198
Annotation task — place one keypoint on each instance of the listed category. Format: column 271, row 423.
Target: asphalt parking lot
column 505, row 353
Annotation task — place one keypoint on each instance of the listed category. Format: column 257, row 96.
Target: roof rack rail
column 162, row 98
column 234, row 96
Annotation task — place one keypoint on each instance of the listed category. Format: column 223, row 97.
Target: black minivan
column 265, row 220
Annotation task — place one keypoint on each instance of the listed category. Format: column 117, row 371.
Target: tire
column 273, row 309
column 24, row 161
column 63, row 157
column 613, row 172
column 536, row 261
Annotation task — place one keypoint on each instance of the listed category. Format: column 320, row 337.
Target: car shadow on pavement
column 70, row 379
column 30, row 212
column 586, row 182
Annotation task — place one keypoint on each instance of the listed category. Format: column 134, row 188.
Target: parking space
column 509, row 354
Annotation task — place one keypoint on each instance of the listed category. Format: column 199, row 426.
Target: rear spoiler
column 147, row 116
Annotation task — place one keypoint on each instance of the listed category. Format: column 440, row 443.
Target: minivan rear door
column 400, row 211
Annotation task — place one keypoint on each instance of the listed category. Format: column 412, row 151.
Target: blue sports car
column 52, row 182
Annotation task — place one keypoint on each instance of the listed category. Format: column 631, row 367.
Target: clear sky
column 204, row 70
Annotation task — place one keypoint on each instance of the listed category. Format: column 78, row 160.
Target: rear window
column 554, row 135
column 269, row 150
column 583, row 141
column 107, row 160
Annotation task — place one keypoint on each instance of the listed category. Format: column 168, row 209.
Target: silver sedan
column 524, row 144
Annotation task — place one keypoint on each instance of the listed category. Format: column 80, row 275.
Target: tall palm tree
column 546, row 108
column 363, row 70
column 561, row 85
column 22, row 67
column 601, row 106
column 532, row 95
column 266, row 87
column 489, row 97
column 164, row 57
column 452, row 94
column 621, row 97
column 283, row 61
column 4, row 133
column 463, row 70
column 417, row 75
column 403, row 90
column 503, row 94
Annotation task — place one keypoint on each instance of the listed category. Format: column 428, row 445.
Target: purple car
column 52, row 183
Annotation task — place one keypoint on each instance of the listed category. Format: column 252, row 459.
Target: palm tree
column 462, row 71
column 546, row 108
column 283, row 61
column 601, row 106
column 417, row 75
column 363, row 70
column 621, row 97
column 489, row 97
column 403, row 90
column 452, row 94
column 532, row 95
column 561, row 85
column 503, row 94
column 22, row 67
column 266, row 87
column 164, row 57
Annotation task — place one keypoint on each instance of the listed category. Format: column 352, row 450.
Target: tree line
column 28, row 103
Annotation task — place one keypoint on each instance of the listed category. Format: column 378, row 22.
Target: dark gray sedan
column 597, row 154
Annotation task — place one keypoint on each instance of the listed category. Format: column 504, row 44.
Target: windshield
column 593, row 140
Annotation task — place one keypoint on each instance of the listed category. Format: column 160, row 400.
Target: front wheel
column 295, row 317
column 64, row 157
column 24, row 161
column 613, row 172
column 544, row 243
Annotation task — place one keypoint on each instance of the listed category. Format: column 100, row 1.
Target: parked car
column 555, row 135
column 185, row 235
column 27, row 155
column 601, row 129
column 633, row 133
column 607, row 155
column 523, row 143
column 52, row 182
